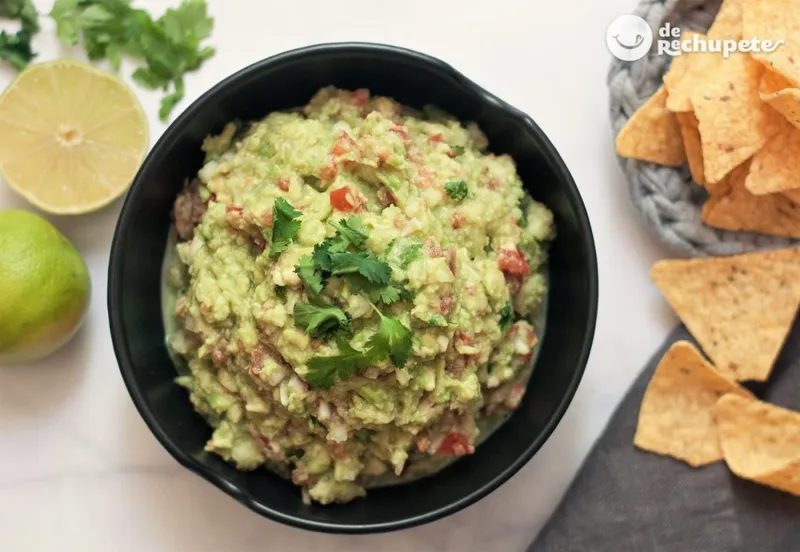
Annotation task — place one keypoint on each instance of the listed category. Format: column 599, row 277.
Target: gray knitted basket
column 668, row 197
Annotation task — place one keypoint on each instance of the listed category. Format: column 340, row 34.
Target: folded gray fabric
column 627, row 500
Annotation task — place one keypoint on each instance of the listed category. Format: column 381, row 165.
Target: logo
column 629, row 37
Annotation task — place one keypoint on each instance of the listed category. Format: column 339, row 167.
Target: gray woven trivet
column 667, row 197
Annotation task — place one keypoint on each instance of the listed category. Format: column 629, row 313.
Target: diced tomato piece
column 234, row 209
column 512, row 262
column 283, row 184
column 493, row 184
column 329, row 172
column 344, row 144
column 457, row 220
column 401, row 132
column 436, row 138
column 343, row 199
column 454, row 444
column 212, row 197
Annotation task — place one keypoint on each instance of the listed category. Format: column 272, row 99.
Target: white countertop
column 78, row 468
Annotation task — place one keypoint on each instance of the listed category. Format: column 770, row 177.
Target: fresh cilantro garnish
column 320, row 321
column 169, row 46
column 457, row 189
column 352, row 231
column 280, row 292
column 391, row 294
column 310, row 275
column 16, row 47
column 392, row 340
column 363, row 264
column 506, row 317
column 324, row 371
column 285, row 226
column 458, row 150
column 361, row 271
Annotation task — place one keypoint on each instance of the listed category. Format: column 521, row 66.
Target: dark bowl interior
column 287, row 81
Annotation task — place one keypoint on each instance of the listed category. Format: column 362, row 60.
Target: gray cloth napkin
column 627, row 500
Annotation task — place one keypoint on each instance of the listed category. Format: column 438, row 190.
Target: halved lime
column 71, row 136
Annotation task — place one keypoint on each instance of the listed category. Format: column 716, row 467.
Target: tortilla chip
column 776, row 167
column 734, row 123
column 686, row 72
column 739, row 308
column 728, row 22
column 781, row 95
column 676, row 417
column 691, row 143
column 775, row 20
column 652, row 134
column 732, row 207
column 760, row 441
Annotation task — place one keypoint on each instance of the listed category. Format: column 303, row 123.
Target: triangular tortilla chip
column 781, row 95
column 652, row 134
column 775, row 20
column 728, row 22
column 676, row 417
column 760, row 441
column 732, row 207
column 734, row 123
column 739, row 308
column 692, row 145
column 686, row 72
column 776, row 167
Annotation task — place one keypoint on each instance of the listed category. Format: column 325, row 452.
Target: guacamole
column 356, row 292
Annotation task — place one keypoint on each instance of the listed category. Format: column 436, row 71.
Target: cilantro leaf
column 458, row 150
column 320, row 321
column 392, row 339
column 391, row 294
column 323, row 371
column 374, row 270
column 309, row 275
column 506, row 317
column 457, row 189
column 351, row 231
column 285, row 226
column 16, row 47
column 168, row 47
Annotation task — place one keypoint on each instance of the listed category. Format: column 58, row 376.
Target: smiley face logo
column 629, row 38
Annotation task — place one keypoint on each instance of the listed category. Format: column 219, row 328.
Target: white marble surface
column 78, row 468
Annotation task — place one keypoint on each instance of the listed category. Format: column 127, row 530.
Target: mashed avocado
column 356, row 289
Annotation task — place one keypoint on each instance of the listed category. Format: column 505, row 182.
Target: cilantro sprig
column 393, row 340
column 362, row 271
column 321, row 321
column 457, row 189
column 16, row 47
column 169, row 46
column 285, row 226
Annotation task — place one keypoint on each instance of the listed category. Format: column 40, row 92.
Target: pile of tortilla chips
column 734, row 120
column 740, row 310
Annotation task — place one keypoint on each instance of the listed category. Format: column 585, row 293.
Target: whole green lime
column 44, row 288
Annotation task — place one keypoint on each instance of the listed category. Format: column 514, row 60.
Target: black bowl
column 286, row 81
